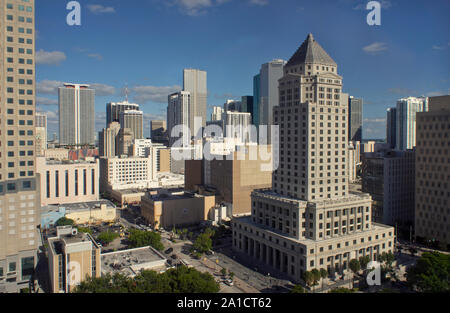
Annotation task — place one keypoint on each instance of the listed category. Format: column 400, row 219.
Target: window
column 12, row 267
column 27, row 268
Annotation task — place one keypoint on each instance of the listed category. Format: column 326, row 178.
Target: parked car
column 229, row 282
column 168, row 251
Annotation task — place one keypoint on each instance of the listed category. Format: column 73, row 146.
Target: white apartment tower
column 76, row 115
column 407, row 109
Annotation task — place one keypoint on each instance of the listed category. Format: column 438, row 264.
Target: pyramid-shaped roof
column 311, row 52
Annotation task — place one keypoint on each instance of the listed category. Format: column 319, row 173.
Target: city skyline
column 376, row 58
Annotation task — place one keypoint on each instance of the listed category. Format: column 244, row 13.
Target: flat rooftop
column 130, row 262
column 72, row 207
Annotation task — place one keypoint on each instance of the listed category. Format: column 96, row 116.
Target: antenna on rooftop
column 126, row 92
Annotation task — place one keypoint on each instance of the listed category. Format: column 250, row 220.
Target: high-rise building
column 124, row 142
column 113, row 110
column 178, row 113
column 248, row 106
column 309, row 219
column 355, row 118
column 19, row 187
column 107, row 140
column 41, row 133
column 433, row 172
column 391, row 128
column 195, row 82
column 237, row 125
column 256, row 99
column 158, row 131
column 232, row 105
column 133, row 120
column 407, row 108
column 269, row 75
column 76, row 115
column 217, row 113
column 388, row 176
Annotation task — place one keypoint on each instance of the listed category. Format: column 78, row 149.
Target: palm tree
column 323, row 274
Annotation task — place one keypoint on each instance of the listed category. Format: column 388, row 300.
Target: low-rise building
column 176, row 209
column 72, row 257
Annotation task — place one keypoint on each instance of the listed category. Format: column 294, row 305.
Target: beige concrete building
column 96, row 212
column 19, row 186
column 124, row 142
column 72, row 257
column 432, row 218
column 176, row 209
column 68, row 181
column 107, row 140
column 309, row 219
column 57, row 154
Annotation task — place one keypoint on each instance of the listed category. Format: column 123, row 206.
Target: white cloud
column 143, row 94
column 95, row 56
column 100, row 9
column 374, row 128
column 48, row 87
column 443, row 47
column 46, row 101
column 375, row 47
column 103, row 90
column 259, row 2
column 50, row 57
column 438, row 93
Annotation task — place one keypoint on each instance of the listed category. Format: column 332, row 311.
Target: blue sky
column 145, row 44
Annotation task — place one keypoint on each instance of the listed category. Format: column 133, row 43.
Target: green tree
column 316, row 276
column 355, row 266
column 84, row 230
column 223, row 272
column 231, row 274
column 107, row 237
column 323, row 274
column 203, row 243
column 308, row 277
column 431, row 273
column 298, row 289
column 363, row 261
column 179, row 280
column 142, row 238
column 64, row 221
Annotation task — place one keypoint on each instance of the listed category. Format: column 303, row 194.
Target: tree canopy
column 64, row 221
column 142, row 238
column 431, row 273
column 107, row 237
column 179, row 280
column 203, row 243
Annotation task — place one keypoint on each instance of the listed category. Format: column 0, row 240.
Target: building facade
column 68, row 181
column 177, row 209
column 355, row 119
column 19, row 186
column 107, row 140
column 432, row 201
column 407, row 108
column 308, row 219
column 178, row 113
column 158, row 131
column 133, row 120
column 76, row 115
column 269, row 75
column 389, row 177
column 71, row 257
column 195, row 82
column 391, row 128
column 113, row 110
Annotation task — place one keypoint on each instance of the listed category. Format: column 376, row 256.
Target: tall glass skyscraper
column 256, row 95
column 355, row 111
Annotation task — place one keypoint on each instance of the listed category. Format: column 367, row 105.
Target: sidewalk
column 246, row 288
